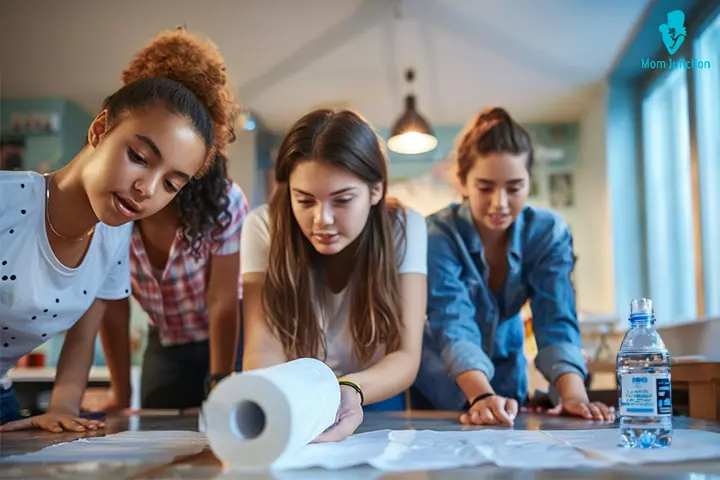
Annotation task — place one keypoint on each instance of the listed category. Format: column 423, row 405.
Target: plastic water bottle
column 644, row 388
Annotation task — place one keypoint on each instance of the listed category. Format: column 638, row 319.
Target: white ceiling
column 539, row 58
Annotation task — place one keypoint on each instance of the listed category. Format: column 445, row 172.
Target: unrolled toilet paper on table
column 257, row 419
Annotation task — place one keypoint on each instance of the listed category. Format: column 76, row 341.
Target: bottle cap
column 641, row 306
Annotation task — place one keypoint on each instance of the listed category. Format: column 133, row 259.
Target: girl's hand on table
column 54, row 422
column 493, row 410
column 582, row 407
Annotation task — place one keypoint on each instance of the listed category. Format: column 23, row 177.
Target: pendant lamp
column 411, row 133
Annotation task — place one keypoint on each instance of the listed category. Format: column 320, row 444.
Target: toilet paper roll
column 257, row 419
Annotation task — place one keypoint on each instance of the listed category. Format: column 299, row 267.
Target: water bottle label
column 645, row 395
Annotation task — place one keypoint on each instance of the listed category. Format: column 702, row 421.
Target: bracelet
column 479, row 398
column 355, row 387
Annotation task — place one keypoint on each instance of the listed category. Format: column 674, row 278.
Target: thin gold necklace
column 47, row 215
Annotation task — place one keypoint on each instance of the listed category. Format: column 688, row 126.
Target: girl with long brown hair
column 334, row 269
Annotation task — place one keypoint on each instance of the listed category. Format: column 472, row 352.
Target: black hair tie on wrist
column 355, row 387
column 480, row 398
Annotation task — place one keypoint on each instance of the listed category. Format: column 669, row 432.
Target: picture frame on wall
column 562, row 194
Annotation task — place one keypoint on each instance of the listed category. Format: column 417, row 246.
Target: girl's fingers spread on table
column 89, row 424
column 607, row 412
column 596, row 412
column 499, row 413
column 72, row 425
column 50, row 426
column 511, row 407
column 17, row 425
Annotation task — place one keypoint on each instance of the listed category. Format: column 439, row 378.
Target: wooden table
column 695, row 382
column 701, row 380
column 205, row 466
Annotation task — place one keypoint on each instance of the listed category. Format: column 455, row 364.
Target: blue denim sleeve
column 451, row 313
column 552, row 300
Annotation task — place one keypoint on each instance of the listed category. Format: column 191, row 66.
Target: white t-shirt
column 39, row 296
column 254, row 248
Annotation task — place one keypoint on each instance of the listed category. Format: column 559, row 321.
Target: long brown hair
column 294, row 279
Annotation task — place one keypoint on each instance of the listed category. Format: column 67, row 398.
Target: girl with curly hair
column 334, row 269
column 65, row 237
column 184, row 268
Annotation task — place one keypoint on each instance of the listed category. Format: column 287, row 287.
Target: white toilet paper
column 257, row 419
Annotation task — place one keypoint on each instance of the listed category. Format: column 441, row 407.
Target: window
column 707, row 88
column 668, row 214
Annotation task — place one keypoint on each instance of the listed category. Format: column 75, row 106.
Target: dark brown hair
column 294, row 283
column 186, row 76
column 492, row 131
column 204, row 206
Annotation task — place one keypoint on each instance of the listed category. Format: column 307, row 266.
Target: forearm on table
column 115, row 338
column 71, row 380
column 470, row 366
column 558, row 359
column 224, row 333
column 571, row 385
column 392, row 375
column 474, row 383
column 75, row 361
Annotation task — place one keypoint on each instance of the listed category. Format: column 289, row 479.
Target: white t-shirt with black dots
column 39, row 296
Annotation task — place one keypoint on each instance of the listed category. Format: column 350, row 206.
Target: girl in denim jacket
column 487, row 257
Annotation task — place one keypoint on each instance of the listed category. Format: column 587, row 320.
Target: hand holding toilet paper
column 257, row 419
column 349, row 418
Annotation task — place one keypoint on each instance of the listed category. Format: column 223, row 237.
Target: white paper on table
column 429, row 450
column 121, row 447
column 359, row 449
column 686, row 445
column 403, row 450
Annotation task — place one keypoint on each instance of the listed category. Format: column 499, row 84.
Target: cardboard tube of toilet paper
column 257, row 419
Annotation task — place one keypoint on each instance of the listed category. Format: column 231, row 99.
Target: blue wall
column 56, row 148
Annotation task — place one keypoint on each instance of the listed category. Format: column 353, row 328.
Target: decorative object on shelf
column 561, row 190
column 35, row 122
column 411, row 133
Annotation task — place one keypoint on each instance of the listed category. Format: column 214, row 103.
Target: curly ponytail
column 189, row 78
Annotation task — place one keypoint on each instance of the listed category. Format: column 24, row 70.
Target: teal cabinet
column 49, row 131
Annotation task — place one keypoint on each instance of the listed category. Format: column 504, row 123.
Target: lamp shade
column 411, row 133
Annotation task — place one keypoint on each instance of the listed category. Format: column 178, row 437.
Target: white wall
column 241, row 162
column 590, row 217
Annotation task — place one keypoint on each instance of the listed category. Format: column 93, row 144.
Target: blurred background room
column 626, row 144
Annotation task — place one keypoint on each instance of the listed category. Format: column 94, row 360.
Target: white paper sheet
column 121, row 447
column 531, row 449
column 403, row 450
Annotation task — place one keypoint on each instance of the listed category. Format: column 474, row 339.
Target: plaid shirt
column 176, row 305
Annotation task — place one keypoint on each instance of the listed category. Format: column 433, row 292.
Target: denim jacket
column 471, row 328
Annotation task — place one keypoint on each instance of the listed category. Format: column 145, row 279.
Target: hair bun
column 198, row 65
column 492, row 113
